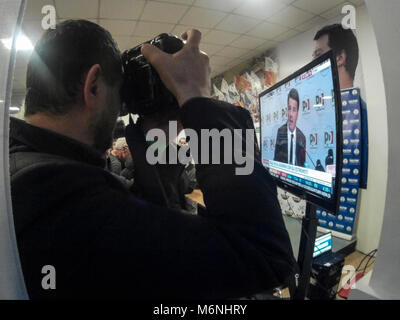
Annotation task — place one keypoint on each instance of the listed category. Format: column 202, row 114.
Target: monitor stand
column 306, row 251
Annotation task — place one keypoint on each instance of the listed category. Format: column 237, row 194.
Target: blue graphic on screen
column 298, row 126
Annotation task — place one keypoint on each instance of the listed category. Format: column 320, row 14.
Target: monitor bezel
column 331, row 205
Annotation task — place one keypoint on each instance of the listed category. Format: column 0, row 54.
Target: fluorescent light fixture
column 14, row 110
column 327, row 98
column 317, row 105
column 23, row 43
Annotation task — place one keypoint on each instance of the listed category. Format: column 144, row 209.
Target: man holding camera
column 102, row 241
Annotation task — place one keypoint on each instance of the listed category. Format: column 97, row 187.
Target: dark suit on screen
column 281, row 147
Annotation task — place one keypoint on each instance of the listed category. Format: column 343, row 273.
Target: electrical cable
column 370, row 255
column 366, row 256
column 367, row 264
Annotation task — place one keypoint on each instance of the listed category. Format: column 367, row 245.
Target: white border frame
column 12, row 284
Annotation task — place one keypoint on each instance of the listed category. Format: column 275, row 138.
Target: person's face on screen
column 293, row 113
column 321, row 46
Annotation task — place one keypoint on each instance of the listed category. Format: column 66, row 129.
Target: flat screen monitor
column 301, row 133
column 323, row 244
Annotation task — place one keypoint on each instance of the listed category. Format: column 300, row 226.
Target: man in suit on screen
column 290, row 141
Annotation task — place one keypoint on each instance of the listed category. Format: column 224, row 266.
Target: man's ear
column 91, row 86
column 341, row 59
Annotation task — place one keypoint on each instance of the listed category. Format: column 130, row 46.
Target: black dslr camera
column 143, row 92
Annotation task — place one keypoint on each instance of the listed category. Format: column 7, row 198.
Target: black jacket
column 113, row 164
column 127, row 172
column 103, row 242
column 281, row 146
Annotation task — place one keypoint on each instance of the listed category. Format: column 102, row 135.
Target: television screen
column 322, row 244
column 301, row 142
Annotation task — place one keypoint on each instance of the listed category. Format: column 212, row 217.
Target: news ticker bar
column 320, row 177
column 303, row 183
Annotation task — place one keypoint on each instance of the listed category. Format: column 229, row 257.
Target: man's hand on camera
column 186, row 73
column 148, row 123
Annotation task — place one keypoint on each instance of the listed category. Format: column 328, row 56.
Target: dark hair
column 294, row 94
column 60, row 60
column 342, row 39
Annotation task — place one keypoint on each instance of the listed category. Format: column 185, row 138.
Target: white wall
column 385, row 17
column 295, row 53
column 373, row 199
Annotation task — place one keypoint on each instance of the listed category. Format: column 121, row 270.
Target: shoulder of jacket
column 301, row 134
column 44, row 165
column 283, row 127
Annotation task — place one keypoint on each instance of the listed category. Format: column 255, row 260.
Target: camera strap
column 147, row 177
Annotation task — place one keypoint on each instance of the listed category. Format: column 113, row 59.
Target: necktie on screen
column 291, row 149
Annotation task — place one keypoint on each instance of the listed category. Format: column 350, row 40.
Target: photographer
column 102, row 241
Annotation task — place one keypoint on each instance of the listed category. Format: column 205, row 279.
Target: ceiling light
column 15, row 109
column 23, row 43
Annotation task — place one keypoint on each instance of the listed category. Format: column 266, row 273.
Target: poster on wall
column 242, row 88
column 343, row 224
column 344, row 44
